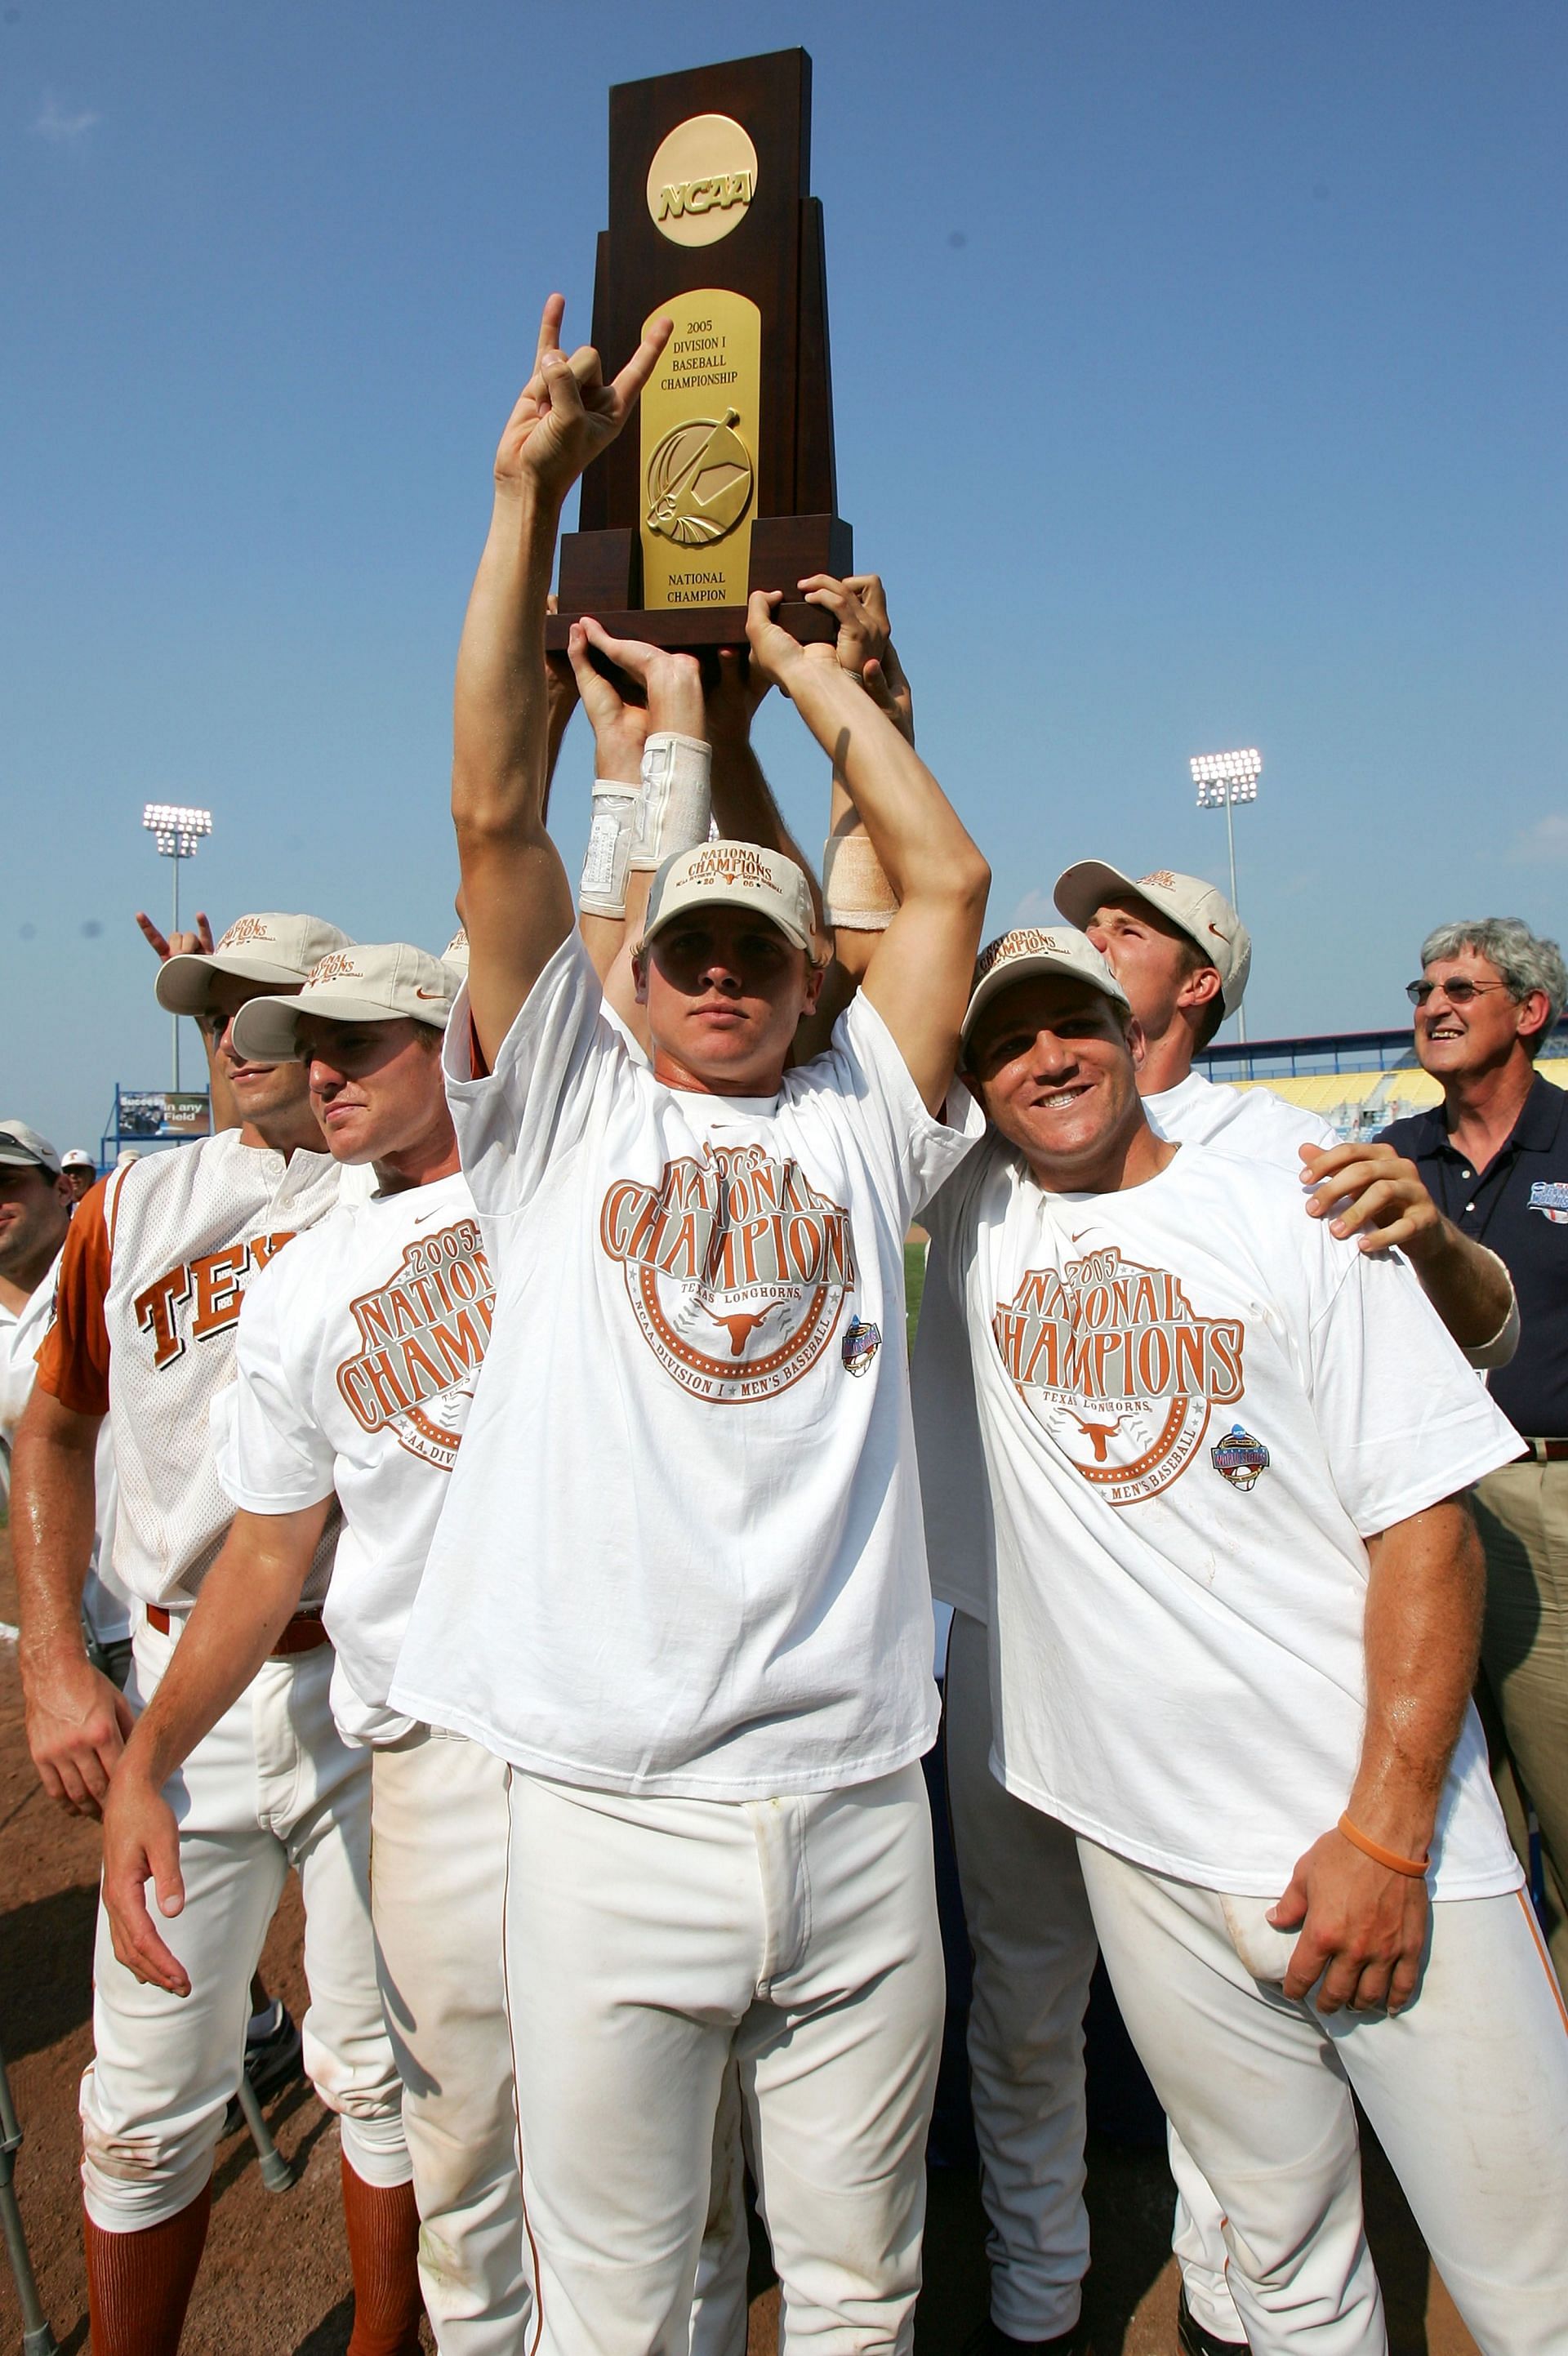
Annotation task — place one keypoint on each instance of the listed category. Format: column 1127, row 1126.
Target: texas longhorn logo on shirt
column 423, row 1335
column 737, row 1268
column 1109, row 1357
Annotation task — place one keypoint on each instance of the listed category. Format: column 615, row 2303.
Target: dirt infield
column 274, row 2281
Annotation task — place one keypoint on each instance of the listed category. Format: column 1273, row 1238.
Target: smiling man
column 1495, row 1156
column 153, row 1276
column 1235, row 1619
column 358, row 1351
column 1183, row 958
column 679, row 1582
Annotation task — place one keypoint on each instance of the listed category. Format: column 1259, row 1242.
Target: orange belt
column 304, row 1632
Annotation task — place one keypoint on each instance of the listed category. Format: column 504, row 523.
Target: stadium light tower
column 177, row 828
column 1223, row 779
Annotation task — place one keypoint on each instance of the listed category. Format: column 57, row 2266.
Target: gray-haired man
column 1494, row 1157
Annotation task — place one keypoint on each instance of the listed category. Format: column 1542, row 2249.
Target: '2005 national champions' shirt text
column 682, row 1548
column 1251, row 1122
column 359, row 1353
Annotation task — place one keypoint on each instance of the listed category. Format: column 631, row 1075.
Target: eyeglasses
column 1458, row 993
column 212, row 1026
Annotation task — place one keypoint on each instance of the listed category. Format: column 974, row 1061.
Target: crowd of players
column 589, row 1697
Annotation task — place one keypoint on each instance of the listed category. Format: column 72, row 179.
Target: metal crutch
column 276, row 2173
column 38, row 2339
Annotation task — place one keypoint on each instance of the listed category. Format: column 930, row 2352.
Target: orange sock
column 383, row 2244
column 138, row 2284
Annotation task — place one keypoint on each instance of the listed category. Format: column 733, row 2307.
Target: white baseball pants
column 439, row 1843
column 1197, row 2239
column 647, row 1941
column 272, row 1785
column 1034, row 1947
column 1467, row 2090
column 720, row 2310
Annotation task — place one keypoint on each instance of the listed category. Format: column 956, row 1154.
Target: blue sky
column 1198, row 374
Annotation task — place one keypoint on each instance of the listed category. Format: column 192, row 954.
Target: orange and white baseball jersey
column 151, row 1277
column 1196, row 1405
column 681, row 1552
column 358, row 1351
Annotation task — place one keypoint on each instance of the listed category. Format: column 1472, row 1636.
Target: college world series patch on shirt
column 1239, row 1459
column 1550, row 1198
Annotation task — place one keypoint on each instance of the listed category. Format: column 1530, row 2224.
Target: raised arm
column 745, row 809
column 919, row 973
column 245, row 1602
column 1369, row 1191
column 1363, row 1922
column 224, row 1112
column 859, row 901
column 651, row 799
column 517, row 901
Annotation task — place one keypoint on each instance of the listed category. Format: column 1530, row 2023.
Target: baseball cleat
column 988, row 2339
column 1194, row 2340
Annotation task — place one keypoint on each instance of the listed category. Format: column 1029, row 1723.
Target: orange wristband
column 1408, row 1866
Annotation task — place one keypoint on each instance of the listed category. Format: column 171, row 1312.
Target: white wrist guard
column 617, row 810
column 856, row 894
column 676, row 802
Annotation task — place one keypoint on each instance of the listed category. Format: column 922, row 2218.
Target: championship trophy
column 725, row 483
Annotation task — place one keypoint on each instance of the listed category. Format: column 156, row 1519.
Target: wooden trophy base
column 601, row 574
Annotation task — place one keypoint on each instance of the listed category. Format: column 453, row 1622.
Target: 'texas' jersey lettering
column 1112, row 1360
column 212, row 1289
column 735, row 1267
column 422, row 1337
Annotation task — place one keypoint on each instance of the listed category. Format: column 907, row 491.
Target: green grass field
column 914, row 1283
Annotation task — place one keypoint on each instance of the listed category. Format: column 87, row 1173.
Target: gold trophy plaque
column 727, row 484
column 699, row 415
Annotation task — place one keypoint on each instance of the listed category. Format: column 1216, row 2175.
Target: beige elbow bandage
column 677, row 802
column 856, row 894
column 612, row 833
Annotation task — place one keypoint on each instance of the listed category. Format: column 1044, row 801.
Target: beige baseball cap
column 376, row 983
column 1014, row 956
column 733, row 875
column 1204, row 915
column 455, row 953
column 273, row 948
column 22, row 1148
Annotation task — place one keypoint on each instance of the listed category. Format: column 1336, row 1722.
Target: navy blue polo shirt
column 1516, row 1206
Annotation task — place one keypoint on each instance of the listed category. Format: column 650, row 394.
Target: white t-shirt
column 959, row 1541
column 1201, row 1111
column 1194, row 1408
column 105, row 1606
column 357, row 1353
column 681, row 1552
